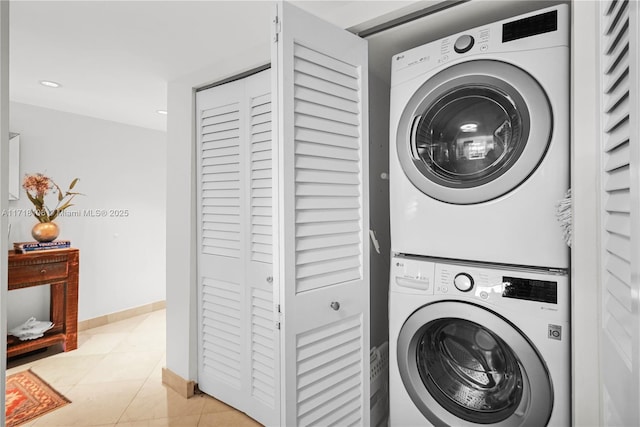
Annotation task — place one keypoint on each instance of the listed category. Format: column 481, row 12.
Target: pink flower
column 37, row 183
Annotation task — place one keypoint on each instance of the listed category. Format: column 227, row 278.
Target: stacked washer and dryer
column 479, row 292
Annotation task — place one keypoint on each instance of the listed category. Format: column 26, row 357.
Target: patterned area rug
column 29, row 397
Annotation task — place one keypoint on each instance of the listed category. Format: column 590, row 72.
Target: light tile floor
column 114, row 378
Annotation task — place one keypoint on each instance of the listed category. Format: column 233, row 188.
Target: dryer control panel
column 532, row 31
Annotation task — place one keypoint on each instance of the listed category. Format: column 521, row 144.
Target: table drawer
column 37, row 273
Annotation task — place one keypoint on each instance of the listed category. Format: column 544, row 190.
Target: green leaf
column 31, row 197
column 36, row 202
column 63, row 207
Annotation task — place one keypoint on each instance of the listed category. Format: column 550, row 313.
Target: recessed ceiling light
column 163, row 112
column 49, row 83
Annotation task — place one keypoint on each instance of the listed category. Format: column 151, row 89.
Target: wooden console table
column 59, row 269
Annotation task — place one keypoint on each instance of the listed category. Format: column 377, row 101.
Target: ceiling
column 115, row 58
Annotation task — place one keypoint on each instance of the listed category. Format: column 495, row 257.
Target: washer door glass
column 469, row 370
column 463, row 365
column 474, row 132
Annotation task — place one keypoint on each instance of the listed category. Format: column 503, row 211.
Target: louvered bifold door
column 263, row 362
column 221, row 241
column 620, row 352
column 238, row 336
column 320, row 76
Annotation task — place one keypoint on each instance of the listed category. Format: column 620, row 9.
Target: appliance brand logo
column 555, row 332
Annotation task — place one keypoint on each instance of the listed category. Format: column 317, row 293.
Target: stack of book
column 22, row 247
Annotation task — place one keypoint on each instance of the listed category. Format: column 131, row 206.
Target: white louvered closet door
column 620, row 343
column 264, row 356
column 320, row 78
column 238, row 343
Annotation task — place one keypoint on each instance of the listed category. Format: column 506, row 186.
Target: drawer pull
column 43, row 271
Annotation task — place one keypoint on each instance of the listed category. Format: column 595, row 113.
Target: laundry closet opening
column 369, row 209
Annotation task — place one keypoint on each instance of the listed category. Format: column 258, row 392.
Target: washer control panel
column 523, row 288
column 490, row 284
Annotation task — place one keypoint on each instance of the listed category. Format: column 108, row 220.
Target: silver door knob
column 335, row 305
column 270, row 279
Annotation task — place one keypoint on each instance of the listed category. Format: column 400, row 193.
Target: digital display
column 531, row 26
column 531, row 290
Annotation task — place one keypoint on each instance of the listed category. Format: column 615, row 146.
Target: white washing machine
column 480, row 143
column 477, row 345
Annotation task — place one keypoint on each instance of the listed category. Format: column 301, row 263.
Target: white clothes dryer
column 479, row 143
column 472, row 344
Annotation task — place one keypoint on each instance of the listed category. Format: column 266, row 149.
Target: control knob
column 463, row 43
column 463, row 282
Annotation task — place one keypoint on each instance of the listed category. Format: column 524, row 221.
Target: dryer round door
column 464, row 365
column 474, row 132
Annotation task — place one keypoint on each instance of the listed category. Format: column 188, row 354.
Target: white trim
column 585, row 212
column 4, row 189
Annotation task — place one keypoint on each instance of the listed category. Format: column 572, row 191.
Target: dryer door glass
column 469, row 370
column 474, row 132
column 469, row 135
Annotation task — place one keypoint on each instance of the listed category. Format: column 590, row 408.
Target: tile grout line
column 124, row 411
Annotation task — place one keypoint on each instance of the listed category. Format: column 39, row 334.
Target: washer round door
column 474, row 132
column 464, row 365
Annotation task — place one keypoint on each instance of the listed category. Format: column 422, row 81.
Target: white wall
column 120, row 167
